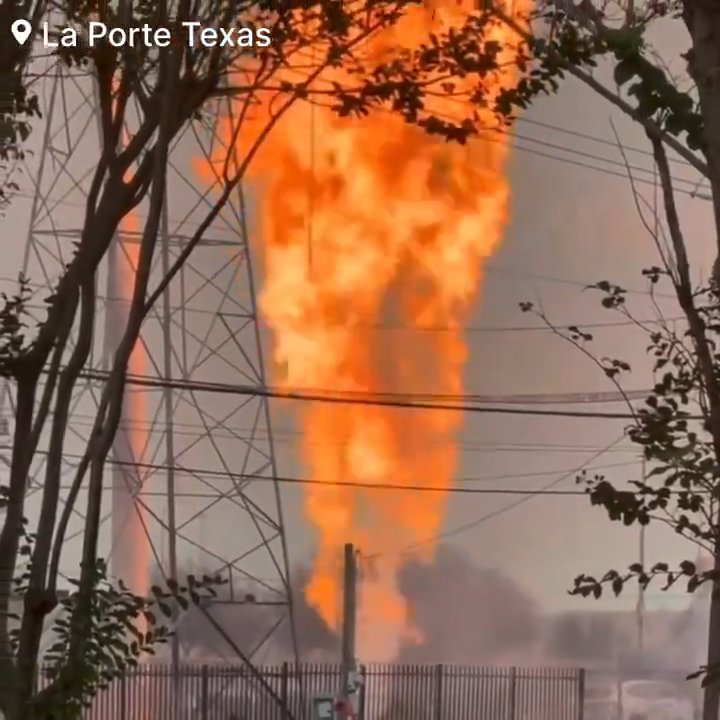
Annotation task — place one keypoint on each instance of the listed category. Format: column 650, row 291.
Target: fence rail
column 388, row 692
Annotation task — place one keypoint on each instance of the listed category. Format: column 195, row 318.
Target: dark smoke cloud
column 465, row 613
column 468, row 615
column 314, row 637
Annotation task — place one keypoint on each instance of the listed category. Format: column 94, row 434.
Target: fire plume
column 130, row 544
column 132, row 547
column 374, row 236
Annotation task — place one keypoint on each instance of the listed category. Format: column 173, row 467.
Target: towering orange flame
column 132, row 548
column 368, row 223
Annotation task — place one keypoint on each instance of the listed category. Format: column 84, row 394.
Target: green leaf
column 182, row 602
column 165, row 609
column 624, row 71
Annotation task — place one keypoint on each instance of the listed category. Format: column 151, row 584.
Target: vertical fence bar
column 421, row 692
column 284, row 676
column 512, row 693
column 204, row 699
column 122, row 690
column 438, row 692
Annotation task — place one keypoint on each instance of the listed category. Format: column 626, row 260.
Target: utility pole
column 348, row 691
column 344, row 705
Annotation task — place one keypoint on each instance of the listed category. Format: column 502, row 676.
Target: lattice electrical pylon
column 191, row 484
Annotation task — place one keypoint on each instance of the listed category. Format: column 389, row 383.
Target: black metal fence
column 388, row 692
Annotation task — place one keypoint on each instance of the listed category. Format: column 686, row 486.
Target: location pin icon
column 21, row 30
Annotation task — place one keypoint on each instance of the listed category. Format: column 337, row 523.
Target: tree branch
column 684, row 292
column 653, row 130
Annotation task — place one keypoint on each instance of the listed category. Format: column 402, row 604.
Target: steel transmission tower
column 191, row 482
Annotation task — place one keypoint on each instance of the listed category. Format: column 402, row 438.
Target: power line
column 491, row 267
column 79, row 419
column 587, row 155
column 404, row 399
column 488, row 267
column 293, row 436
column 594, row 138
column 382, row 486
column 606, row 171
column 393, row 400
column 529, row 328
column 547, row 489
column 451, row 488
column 578, row 163
column 567, row 281
column 195, row 430
column 573, row 151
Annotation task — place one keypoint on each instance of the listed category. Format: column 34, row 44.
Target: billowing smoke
column 467, row 614
column 661, row 640
column 314, row 638
column 587, row 637
column 464, row 614
column 690, row 631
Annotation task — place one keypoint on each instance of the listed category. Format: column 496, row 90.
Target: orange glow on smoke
column 134, row 545
column 366, row 223
column 131, row 545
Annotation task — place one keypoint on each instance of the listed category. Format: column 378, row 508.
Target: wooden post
column 349, row 620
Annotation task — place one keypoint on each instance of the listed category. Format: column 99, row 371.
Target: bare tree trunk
column 711, row 695
column 702, row 19
column 40, row 598
column 682, row 282
column 703, row 22
column 11, row 535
